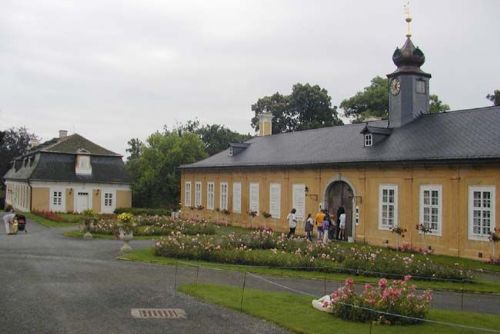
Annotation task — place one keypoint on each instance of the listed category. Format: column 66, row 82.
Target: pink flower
column 382, row 283
column 407, row 278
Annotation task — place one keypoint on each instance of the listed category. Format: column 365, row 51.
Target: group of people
column 328, row 227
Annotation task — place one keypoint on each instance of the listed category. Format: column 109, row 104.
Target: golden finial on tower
column 408, row 18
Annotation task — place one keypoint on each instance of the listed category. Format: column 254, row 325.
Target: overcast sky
column 118, row 69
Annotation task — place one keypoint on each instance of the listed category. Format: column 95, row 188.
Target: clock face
column 395, row 86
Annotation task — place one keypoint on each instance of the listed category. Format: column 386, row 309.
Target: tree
column 13, row 143
column 307, row 107
column 155, row 175
column 135, row 149
column 373, row 101
column 217, row 138
column 495, row 97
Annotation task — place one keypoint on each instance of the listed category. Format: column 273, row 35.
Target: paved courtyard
column 54, row 284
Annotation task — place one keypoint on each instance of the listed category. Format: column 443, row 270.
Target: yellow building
column 440, row 171
column 68, row 174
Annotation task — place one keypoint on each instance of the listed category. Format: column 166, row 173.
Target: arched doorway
column 340, row 194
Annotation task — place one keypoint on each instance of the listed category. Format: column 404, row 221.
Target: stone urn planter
column 126, row 237
column 89, row 219
column 126, row 225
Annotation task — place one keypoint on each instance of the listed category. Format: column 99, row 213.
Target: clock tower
column 408, row 84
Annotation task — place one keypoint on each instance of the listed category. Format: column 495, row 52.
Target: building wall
column 43, row 198
column 40, row 199
column 453, row 180
column 123, row 199
column 18, row 194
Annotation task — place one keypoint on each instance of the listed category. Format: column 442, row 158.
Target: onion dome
column 408, row 59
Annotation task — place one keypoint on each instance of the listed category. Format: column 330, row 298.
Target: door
column 82, row 201
column 339, row 194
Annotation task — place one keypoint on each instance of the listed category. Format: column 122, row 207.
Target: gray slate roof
column 472, row 134
column 55, row 160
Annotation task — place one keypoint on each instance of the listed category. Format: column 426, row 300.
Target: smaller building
column 68, row 174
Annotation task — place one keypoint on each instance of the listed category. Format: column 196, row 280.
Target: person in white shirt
column 8, row 219
column 342, row 218
column 292, row 222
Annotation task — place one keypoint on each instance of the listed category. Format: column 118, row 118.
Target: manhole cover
column 158, row 313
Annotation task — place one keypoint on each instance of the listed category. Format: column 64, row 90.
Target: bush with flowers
column 126, row 222
column 392, row 303
column 266, row 248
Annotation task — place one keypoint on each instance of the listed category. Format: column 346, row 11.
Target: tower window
column 368, row 139
column 420, row 86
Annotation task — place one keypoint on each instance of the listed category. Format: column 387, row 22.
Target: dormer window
column 237, row 148
column 368, row 140
column 83, row 166
column 231, row 152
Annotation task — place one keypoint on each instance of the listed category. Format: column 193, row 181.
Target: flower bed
column 265, row 248
column 389, row 303
column 156, row 225
column 49, row 215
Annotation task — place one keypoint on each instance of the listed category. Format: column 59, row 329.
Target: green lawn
column 147, row 255
column 295, row 313
column 47, row 222
column 79, row 235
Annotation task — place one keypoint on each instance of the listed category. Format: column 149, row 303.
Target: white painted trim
column 253, row 189
column 210, row 195
column 224, row 202
column 275, row 188
column 52, row 206
column 43, row 184
column 237, row 197
column 89, row 191
column 187, row 194
column 396, row 205
column 492, row 190
column 108, row 209
column 439, row 189
column 197, row 193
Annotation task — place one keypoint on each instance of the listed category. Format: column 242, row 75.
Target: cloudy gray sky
column 117, row 69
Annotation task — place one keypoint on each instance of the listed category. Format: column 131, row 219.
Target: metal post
column 175, row 279
column 371, row 324
column 197, row 274
column 243, row 290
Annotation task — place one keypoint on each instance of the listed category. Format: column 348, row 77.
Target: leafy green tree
column 13, row 142
column 155, row 175
column 373, row 101
column 217, row 138
column 135, row 148
column 495, row 97
column 307, row 107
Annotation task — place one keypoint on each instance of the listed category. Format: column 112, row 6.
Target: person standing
column 320, row 216
column 342, row 218
column 292, row 222
column 8, row 219
column 309, row 227
column 326, row 226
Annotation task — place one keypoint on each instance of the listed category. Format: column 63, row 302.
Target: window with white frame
column 481, row 211
column 388, row 206
column 108, row 199
column 210, row 195
column 368, row 139
column 431, row 207
column 254, row 198
column 57, row 200
column 237, row 197
column 197, row 194
column 187, row 194
column 223, row 196
column 275, row 200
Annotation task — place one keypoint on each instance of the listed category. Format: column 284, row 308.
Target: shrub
column 144, row 211
column 390, row 300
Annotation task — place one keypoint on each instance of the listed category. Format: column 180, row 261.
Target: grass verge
column 47, row 222
column 147, row 255
column 295, row 313
column 79, row 235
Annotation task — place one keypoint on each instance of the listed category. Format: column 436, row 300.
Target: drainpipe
column 30, row 206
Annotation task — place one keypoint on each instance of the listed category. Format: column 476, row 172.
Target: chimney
column 265, row 124
column 63, row 133
column 34, row 142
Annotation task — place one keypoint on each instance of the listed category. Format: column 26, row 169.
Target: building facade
column 68, row 174
column 440, row 171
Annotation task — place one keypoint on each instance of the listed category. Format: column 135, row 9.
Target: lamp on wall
column 70, row 191
column 97, row 192
column 306, row 189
